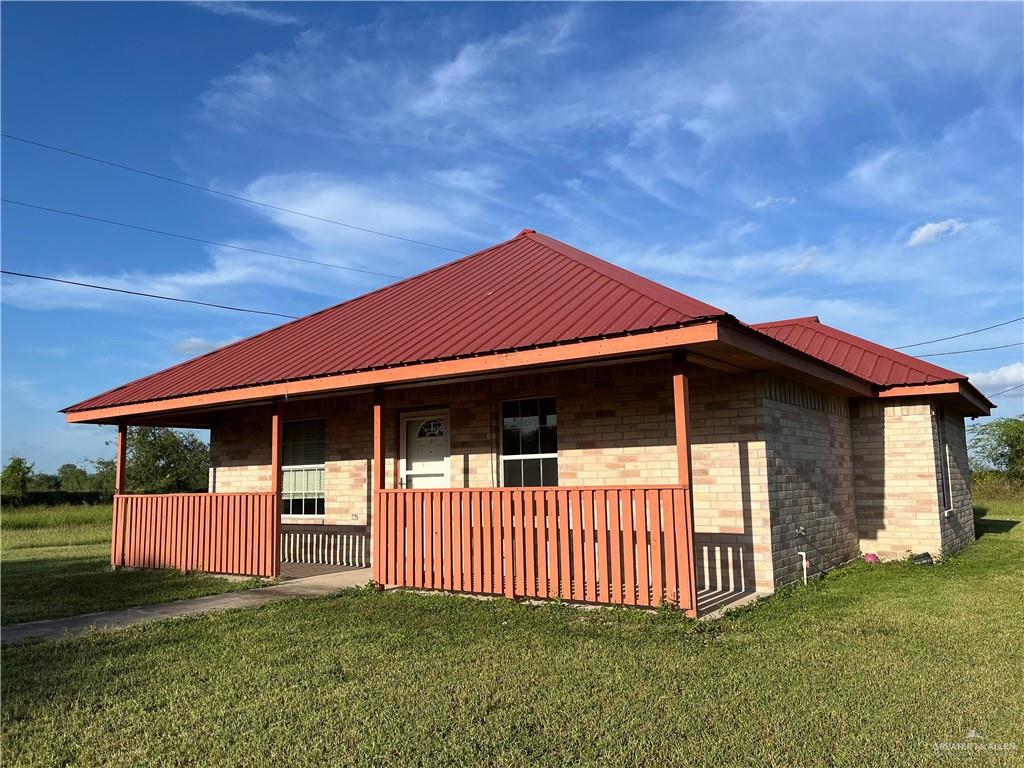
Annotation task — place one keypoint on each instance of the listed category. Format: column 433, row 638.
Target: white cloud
column 255, row 11
column 934, row 230
column 774, row 202
column 998, row 378
column 198, row 345
column 227, row 276
column 480, row 180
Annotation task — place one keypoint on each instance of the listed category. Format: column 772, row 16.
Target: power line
column 966, row 333
column 1003, row 392
column 978, row 349
column 146, row 295
column 249, row 200
column 192, row 238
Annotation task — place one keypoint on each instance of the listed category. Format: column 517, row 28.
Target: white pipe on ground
column 803, row 561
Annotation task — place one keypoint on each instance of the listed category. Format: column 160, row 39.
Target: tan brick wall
column 810, row 479
column 240, row 451
column 896, row 488
column 730, row 484
column 956, row 526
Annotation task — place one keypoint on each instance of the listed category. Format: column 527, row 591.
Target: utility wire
column 1003, row 392
column 146, row 295
column 978, row 349
column 212, row 191
column 966, row 333
column 192, row 238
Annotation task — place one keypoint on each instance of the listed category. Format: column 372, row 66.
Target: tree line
column 159, row 460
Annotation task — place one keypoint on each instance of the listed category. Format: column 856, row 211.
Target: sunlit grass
column 868, row 666
column 56, row 562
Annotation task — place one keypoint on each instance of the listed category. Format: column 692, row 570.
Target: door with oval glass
column 424, row 451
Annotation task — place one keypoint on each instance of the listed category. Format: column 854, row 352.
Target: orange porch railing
column 625, row 546
column 230, row 533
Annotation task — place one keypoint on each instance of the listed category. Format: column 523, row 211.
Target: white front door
column 425, row 451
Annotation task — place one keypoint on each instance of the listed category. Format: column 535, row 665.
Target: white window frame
column 403, row 439
column 286, row 518
column 520, row 456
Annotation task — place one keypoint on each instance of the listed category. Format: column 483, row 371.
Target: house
column 530, row 420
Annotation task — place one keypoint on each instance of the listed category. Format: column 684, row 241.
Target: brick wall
column 895, row 480
column 769, row 458
column 810, row 479
column 956, row 526
column 240, row 451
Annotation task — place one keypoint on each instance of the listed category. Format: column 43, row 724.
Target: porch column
column 681, row 401
column 276, row 441
column 120, row 461
column 117, row 527
column 378, row 484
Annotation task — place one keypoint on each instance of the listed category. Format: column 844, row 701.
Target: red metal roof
column 865, row 359
column 529, row 291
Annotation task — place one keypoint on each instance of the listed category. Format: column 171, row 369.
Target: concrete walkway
column 69, row 626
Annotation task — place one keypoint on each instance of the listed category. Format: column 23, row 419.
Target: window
column 940, row 431
column 529, row 442
column 302, row 468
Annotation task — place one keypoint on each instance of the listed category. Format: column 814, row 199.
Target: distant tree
column 15, row 477
column 41, row 481
column 102, row 476
column 999, row 444
column 163, row 460
column 73, row 478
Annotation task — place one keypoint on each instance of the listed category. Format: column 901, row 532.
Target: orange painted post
column 590, row 587
column 642, row 564
column 530, row 534
column 508, row 568
column 551, row 523
column 446, row 539
column 475, row 526
column 486, row 505
column 565, row 569
column 603, row 526
column 519, row 541
column 628, row 549
column 118, row 529
column 576, row 527
column 378, row 484
column 120, row 462
column 681, row 404
column 276, row 446
column 404, row 547
column 416, row 537
column 386, row 502
column 541, row 516
column 497, row 585
column 671, row 563
column 436, row 523
column 654, row 524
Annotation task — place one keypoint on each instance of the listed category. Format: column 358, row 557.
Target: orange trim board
column 958, row 388
column 621, row 345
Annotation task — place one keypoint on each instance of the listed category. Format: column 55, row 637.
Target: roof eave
column 960, row 392
column 695, row 331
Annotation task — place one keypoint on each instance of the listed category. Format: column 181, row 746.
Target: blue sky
column 862, row 163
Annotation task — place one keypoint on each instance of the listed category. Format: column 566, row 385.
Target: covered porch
column 626, row 543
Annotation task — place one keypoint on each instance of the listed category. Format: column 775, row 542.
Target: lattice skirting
column 329, row 548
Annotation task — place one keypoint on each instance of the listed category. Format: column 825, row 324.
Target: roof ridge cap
column 785, row 321
column 615, row 273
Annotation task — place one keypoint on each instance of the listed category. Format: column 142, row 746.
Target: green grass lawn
column 55, row 561
column 868, row 666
